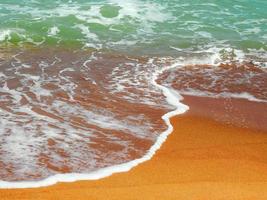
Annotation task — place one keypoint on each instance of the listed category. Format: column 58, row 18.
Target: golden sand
column 203, row 159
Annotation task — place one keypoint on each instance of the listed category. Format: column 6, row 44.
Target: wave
column 136, row 80
column 134, row 25
column 172, row 97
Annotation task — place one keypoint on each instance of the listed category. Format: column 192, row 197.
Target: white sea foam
column 4, row 34
column 53, row 31
column 212, row 56
column 172, row 98
column 243, row 95
column 102, row 120
column 88, row 34
column 120, row 76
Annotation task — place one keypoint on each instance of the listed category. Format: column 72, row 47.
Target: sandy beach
column 91, row 89
column 203, row 158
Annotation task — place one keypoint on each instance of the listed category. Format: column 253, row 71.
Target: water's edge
column 172, row 97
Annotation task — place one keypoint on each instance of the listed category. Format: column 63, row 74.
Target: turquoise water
column 147, row 27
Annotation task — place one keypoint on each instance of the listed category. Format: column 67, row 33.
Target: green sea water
column 140, row 26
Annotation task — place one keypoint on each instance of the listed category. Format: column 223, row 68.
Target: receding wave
column 65, row 111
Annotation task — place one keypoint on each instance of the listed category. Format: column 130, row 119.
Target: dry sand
column 206, row 157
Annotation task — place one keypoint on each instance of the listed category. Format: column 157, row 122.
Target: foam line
column 172, row 98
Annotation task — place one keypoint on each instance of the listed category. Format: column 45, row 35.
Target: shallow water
column 75, row 112
column 78, row 79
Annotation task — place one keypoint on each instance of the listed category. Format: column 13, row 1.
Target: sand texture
column 204, row 158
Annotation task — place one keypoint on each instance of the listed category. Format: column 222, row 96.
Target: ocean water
column 84, row 84
column 149, row 27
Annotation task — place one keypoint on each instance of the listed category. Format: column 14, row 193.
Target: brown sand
column 202, row 159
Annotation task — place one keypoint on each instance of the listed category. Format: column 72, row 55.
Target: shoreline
column 172, row 97
column 202, row 158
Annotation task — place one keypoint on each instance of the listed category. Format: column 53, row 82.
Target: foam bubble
column 243, row 95
column 53, row 31
column 103, row 120
column 4, row 35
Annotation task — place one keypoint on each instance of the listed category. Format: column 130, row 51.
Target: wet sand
column 218, row 150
